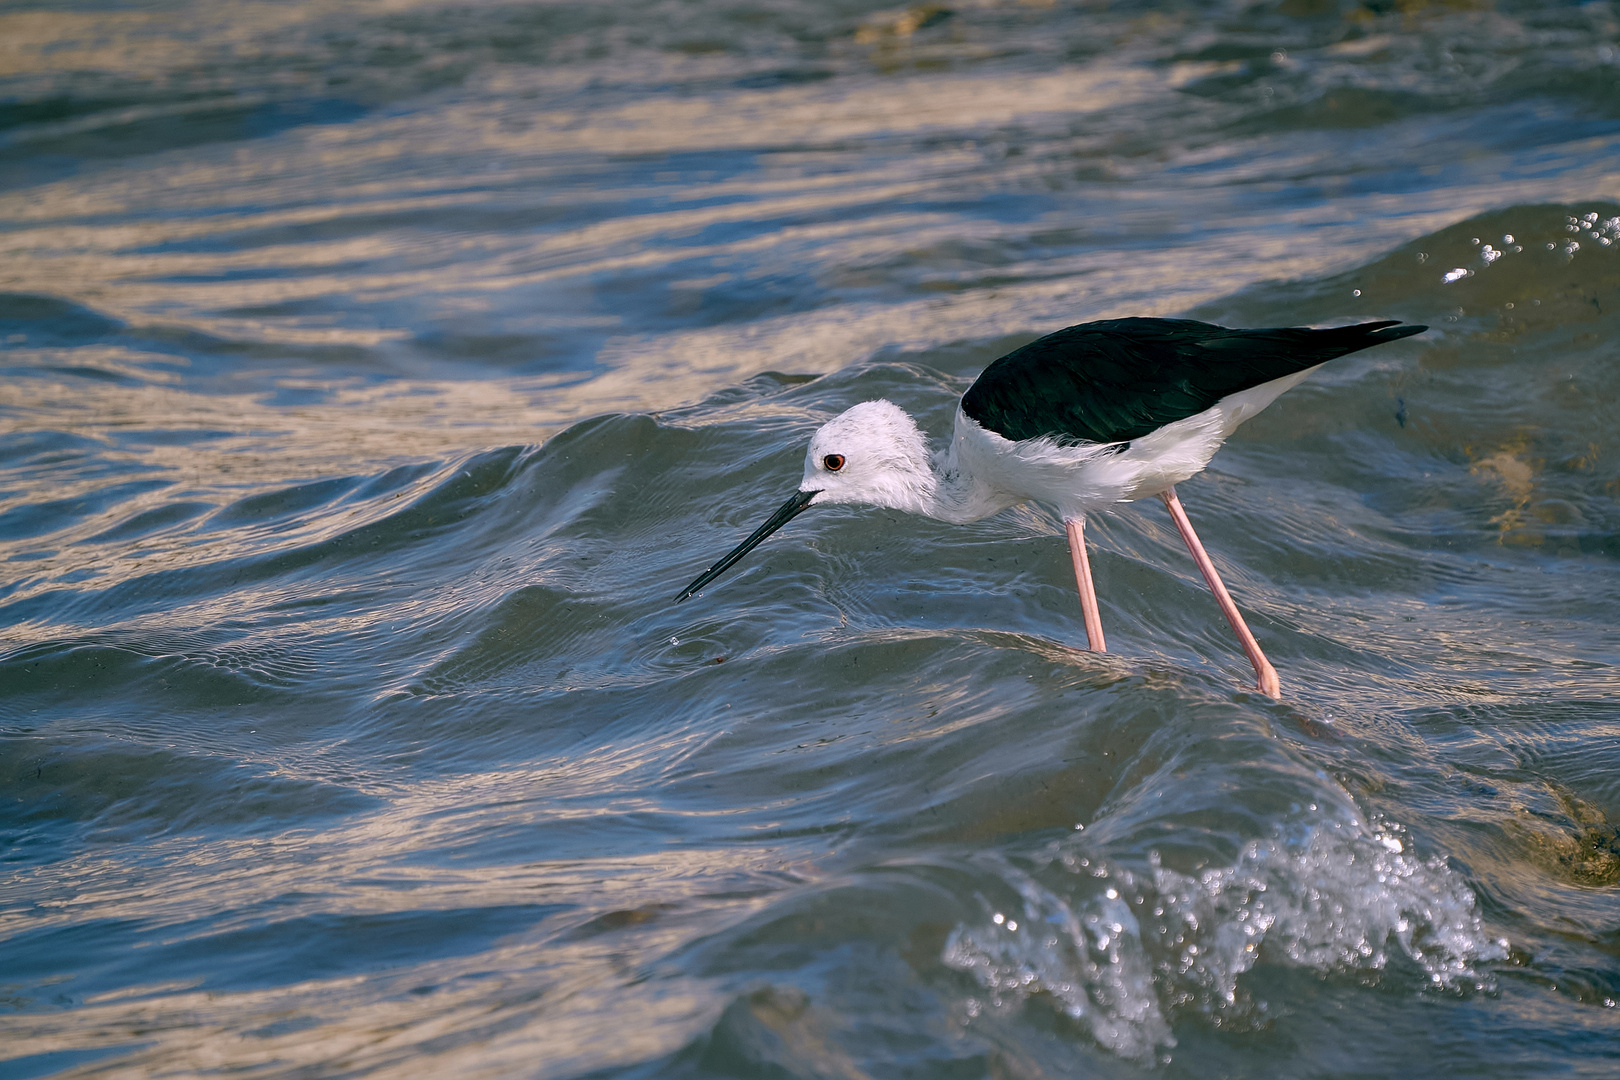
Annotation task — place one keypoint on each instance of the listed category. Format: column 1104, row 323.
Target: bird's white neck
column 958, row 495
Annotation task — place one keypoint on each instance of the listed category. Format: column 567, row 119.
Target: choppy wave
column 1122, row 951
column 374, row 375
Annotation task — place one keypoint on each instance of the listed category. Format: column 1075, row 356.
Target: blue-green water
column 374, row 375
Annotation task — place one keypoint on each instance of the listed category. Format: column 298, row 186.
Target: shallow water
column 376, row 373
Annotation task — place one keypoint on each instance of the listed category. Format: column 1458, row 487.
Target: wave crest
column 1122, row 951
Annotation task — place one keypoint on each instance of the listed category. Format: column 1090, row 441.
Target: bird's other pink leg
column 1082, row 577
column 1265, row 674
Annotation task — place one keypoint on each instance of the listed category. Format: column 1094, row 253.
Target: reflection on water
column 375, row 373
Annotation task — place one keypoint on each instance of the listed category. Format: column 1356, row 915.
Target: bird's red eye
column 834, row 462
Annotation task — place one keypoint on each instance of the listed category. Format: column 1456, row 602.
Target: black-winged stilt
column 1097, row 414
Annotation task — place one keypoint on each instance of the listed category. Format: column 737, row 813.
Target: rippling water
column 375, row 373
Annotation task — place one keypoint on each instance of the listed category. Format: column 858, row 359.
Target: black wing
column 1119, row 379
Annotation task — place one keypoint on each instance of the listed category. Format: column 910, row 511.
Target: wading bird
column 1096, row 414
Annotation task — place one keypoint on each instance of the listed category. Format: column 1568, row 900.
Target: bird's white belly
column 995, row 472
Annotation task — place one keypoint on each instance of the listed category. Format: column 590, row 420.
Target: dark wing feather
column 1119, row 379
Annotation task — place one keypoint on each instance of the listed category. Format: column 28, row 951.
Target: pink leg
column 1265, row 674
column 1082, row 577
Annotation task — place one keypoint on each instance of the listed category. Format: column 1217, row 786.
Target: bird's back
column 1119, row 379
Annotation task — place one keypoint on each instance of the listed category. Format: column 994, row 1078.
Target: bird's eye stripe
column 834, row 462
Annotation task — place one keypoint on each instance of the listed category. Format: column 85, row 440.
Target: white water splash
column 1121, row 952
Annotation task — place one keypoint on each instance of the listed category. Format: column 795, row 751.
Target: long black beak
column 786, row 513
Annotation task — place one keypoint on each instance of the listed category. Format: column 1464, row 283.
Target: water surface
column 374, row 375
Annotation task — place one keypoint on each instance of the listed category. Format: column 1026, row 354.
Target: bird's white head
column 872, row 453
